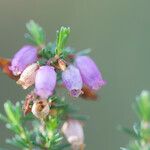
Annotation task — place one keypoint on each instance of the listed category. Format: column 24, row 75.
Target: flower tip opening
column 43, row 93
column 76, row 92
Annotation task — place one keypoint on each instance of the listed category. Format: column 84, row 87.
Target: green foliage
column 36, row 33
column 14, row 122
column 48, row 136
column 37, row 36
column 62, row 36
column 130, row 132
column 141, row 130
column 26, row 138
column 48, row 51
column 43, row 134
column 142, row 106
column 84, row 52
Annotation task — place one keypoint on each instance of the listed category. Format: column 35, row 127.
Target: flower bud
column 62, row 65
column 91, row 75
column 40, row 109
column 24, row 57
column 27, row 77
column 72, row 80
column 45, row 81
column 73, row 131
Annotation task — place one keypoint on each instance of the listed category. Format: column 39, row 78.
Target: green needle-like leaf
column 10, row 112
column 36, row 33
column 62, row 36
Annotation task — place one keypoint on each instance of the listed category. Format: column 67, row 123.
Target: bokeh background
column 118, row 32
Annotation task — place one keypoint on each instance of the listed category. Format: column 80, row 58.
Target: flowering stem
column 55, row 124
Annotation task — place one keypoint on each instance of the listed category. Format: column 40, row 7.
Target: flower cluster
column 83, row 72
column 45, row 67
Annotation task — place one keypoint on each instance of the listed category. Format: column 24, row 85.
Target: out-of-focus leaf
column 142, row 106
column 15, row 143
column 127, row 131
column 37, row 35
column 14, row 128
column 62, row 146
column 84, row 52
column 28, row 117
column 10, row 112
column 122, row 148
column 3, row 118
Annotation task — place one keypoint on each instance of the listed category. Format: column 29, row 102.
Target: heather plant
column 44, row 120
column 141, row 129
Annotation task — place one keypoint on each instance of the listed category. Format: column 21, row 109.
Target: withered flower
column 27, row 77
column 40, row 109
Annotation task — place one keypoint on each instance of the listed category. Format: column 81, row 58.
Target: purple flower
column 91, row 75
column 24, row 57
column 45, row 81
column 73, row 131
column 72, row 80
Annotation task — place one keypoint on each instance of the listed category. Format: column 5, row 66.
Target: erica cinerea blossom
column 45, row 81
column 72, row 80
column 27, row 77
column 90, row 73
column 24, row 57
column 73, row 131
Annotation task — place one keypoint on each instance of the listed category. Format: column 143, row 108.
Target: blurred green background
column 118, row 32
